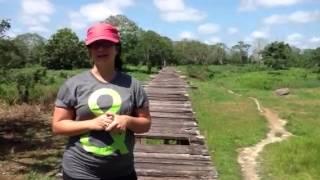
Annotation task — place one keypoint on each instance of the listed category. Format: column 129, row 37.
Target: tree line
column 64, row 50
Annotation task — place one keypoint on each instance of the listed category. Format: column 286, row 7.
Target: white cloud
column 169, row 5
column 77, row 20
column 36, row 14
column 39, row 29
column 233, row 30
column 295, row 39
column 36, row 7
column 187, row 35
column 176, row 10
column 315, row 40
column 97, row 12
column 247, row 5
column 208, row 28
column 296, row 17
column 14, row 32
column 259, row 34
column 213, row 40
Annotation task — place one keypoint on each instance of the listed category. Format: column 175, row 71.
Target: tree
column 242, row 48
column 258, row 46
column 217, row 54
column 32, row 45
column 191, row 52
column 150, row 48
column 166, row 51
column 10, row 55
column 277, row 55
column 315, row 59
column 65, row 51
column 130, row 34
column 4, row 26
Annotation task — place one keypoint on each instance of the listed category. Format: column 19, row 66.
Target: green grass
column 228, row 123
column 297, row 158
column 227, row 129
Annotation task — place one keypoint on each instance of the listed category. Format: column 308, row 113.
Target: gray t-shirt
column 99, row 153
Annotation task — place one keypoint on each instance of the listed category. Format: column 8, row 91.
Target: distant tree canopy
column 64, row 50
column 277, row 55
column 4, row 26
column 32, row 46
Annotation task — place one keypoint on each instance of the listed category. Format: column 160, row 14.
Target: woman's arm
column 142, row 122
column 63, row 122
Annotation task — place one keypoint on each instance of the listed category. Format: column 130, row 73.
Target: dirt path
column 248, row 156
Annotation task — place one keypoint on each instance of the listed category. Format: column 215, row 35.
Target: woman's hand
column 101, row 122
column 119, row 123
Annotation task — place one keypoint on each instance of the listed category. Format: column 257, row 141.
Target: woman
column 100, row 110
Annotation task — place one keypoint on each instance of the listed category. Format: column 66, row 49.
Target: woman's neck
column 103, row 74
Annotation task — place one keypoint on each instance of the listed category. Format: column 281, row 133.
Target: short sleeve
column 140, row 96
column 66, row 97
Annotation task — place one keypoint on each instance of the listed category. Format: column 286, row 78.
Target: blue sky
column 229, row 21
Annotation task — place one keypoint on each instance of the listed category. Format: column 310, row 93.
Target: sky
column 296, row 22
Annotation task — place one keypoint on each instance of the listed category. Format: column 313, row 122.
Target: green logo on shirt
column 118, row 139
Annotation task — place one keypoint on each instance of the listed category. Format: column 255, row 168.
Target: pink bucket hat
column 102, row 31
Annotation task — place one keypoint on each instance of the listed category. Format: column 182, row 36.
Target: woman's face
column 102, row 51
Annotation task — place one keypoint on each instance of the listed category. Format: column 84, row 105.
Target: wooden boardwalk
column 177, row 150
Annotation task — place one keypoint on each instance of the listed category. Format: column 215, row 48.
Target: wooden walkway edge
column 180, row 152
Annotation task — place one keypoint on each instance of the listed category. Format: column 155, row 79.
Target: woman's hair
column 118, row 60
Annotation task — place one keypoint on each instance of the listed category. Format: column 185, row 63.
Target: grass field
column 230, row 122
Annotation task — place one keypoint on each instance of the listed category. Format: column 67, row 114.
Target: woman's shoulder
column 125, row 76
column 78, row 78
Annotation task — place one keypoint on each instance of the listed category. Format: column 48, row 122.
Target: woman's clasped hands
column 110, row 122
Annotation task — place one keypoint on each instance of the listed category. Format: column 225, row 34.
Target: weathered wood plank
column 172, row 149
column 159, row 135
column 172, row 156
column 170, row 109
column 201, row 174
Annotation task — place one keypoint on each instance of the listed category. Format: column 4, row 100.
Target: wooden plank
column 167, row 98
column 154, row 170
column 170, row 109
column 166, row 104
column 174, row 120
column 166, row 95
column 172, row 125
column 167, row 85
column 172, row 156
column 172, row 149
column 168, row 177
column 176, row 162
column 170, row 131
column 173, row 115
column 159, row 135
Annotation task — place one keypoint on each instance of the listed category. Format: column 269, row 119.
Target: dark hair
column 118, row 60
